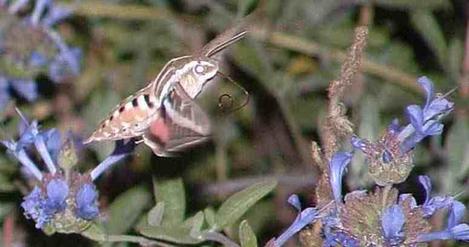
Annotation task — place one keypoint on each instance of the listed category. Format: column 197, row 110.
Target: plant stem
column 386, row 191
column 125, row 238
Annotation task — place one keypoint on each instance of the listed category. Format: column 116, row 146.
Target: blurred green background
column 286, row 63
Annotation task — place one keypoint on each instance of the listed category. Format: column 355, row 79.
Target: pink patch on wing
column 160, row 130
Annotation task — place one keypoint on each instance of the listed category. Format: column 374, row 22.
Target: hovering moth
column 163, row 114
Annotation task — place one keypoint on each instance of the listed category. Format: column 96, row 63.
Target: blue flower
column 32, row 205
column 86, row 200
column 121, row 150
column 23, row 158
column 435, row 107
column 47, row 202
column 47, row 143
column 432, row 204
column 337, row 166
column 338, row 238
column 57, row 193
column 42, row 207
column 424, row 121
column 48, row 54
column 305, row 217
column 454, row 230
column 392, row 223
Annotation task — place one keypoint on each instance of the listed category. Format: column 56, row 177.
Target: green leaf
column 126, row 208
column 195, row 223
column 210, row 217
column 455, row 58
column 95, row 232
column 175, row 234
column 172, row 193
column 245, row 6
column 155, row 216
column 236, row 205
column 246, row 235
column 458, row 158
column 5, row 184
column 368, row 129
column 425, row 23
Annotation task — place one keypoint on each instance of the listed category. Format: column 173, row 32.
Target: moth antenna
column 225, row 43
column 460, row 193
column 450, row 92
column 23, row 118
column 237, row 85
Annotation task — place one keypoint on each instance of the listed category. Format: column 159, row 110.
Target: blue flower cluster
column 390, row 159
column 42, row 51
column 383, row 217
column 63, row 200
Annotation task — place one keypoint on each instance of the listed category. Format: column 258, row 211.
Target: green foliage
column 166, row 221
column 125, row 210
column 236, row 205
column 246, row 235
column 458, row 157
column 171, row 194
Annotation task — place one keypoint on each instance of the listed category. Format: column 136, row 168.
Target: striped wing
column 182, row 124
column 128, row 119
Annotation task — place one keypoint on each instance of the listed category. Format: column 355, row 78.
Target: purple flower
column 23, row 158
column 31, row 204
column 121, row 150
column 4, row 92
column 454, row 230
column 47, row 143
column 42, row 207
column 338, row 238
column 48, row 54
column 305, row 217
column 86, row 200
column 435, row 107
column 424, row 121
column 432, row 204
column 46, row 206
column 57, row 192
column 337, row 166
column 392, row 223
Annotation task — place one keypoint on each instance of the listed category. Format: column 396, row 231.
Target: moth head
column 204, row 70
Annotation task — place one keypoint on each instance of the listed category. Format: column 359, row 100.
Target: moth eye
column 199, row 69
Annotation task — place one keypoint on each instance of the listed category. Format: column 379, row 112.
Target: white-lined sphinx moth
column 163, row 114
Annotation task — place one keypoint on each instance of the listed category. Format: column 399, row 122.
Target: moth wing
column 182, row 124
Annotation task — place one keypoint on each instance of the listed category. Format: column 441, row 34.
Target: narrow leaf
column 125, row 210
column 155, row 216
column 210, row 217
column 172, row 193
column 455, row 57
column 236, row 205
column 458, row 158
column 246, row 235
column 425, row 23
column 195, row 223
